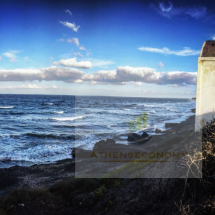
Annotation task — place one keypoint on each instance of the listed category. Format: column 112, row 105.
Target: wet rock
column 134, row 136
column 157, row 130
column 103, row 143
column 110, row 141
column 79, row 151
column 144, row 134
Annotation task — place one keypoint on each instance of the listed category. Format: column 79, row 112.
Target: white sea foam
column 49, row 103
column 126, row 109
column 67, row 118
column 153, row 111
column 59, row 112
column 7, row 107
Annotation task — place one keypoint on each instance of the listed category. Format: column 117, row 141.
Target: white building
column 205, row 93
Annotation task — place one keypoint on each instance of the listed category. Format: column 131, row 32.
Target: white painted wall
column 205, row 94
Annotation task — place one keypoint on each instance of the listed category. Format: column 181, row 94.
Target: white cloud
column 76, row 41
column 186, row 51
column 101, row 63
column 0, row 57
column 30, row 86
column 68, row 11
column 123, row 75
column 72, row 62
column 141, row 74
column 12, row 55
column 171, row 11
column 213, row 37
column 70, row 25
column 136, row 83
column 82, row 48
column 160, row 65
column 45, row 74
column 78, row 54
column 78, row 81
column 179, row 78
column 73, row 40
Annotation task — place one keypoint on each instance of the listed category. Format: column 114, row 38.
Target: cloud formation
column 101, row 63
column 82, row 48
column 12, row 55
column 186, row 51
column 160, row 65
column 30, row 86
column 168, row 10
column 69, row 12
column 74, row 40
column 141, row 74
column 122, row 75
column 45, row 74
column 72, row 62
column 78, row 54
column 71, row 25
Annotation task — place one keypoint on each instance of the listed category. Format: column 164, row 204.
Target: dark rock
column 134, row 136
column 110, row 141
column 157, row 130
column 78, row 151
column 103, row 143
column 141, row 141
column 144, row 134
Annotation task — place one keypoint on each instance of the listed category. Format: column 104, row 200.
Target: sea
column 37, row 129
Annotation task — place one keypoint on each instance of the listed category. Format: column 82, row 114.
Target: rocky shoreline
column 43, row 175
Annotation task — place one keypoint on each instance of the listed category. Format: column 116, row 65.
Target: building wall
column 205, row 94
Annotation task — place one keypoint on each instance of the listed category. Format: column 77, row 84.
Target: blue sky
column 116, row 48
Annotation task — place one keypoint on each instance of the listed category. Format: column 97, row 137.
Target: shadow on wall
column 201, row 120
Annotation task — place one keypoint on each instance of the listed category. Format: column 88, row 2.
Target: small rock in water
column 157, row 130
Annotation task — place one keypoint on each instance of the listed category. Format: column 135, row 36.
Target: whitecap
column 67, row 118
column 153, row 111
column 59, row 112
column 49, row 103
column 7, row 107
column 126, row 109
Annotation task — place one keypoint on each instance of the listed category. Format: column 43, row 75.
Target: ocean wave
column 6, row 107
column 67, row 118
column 13, row 113
column 51, row 136
column 59, row 112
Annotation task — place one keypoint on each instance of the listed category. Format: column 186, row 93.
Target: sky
column 109, row 48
